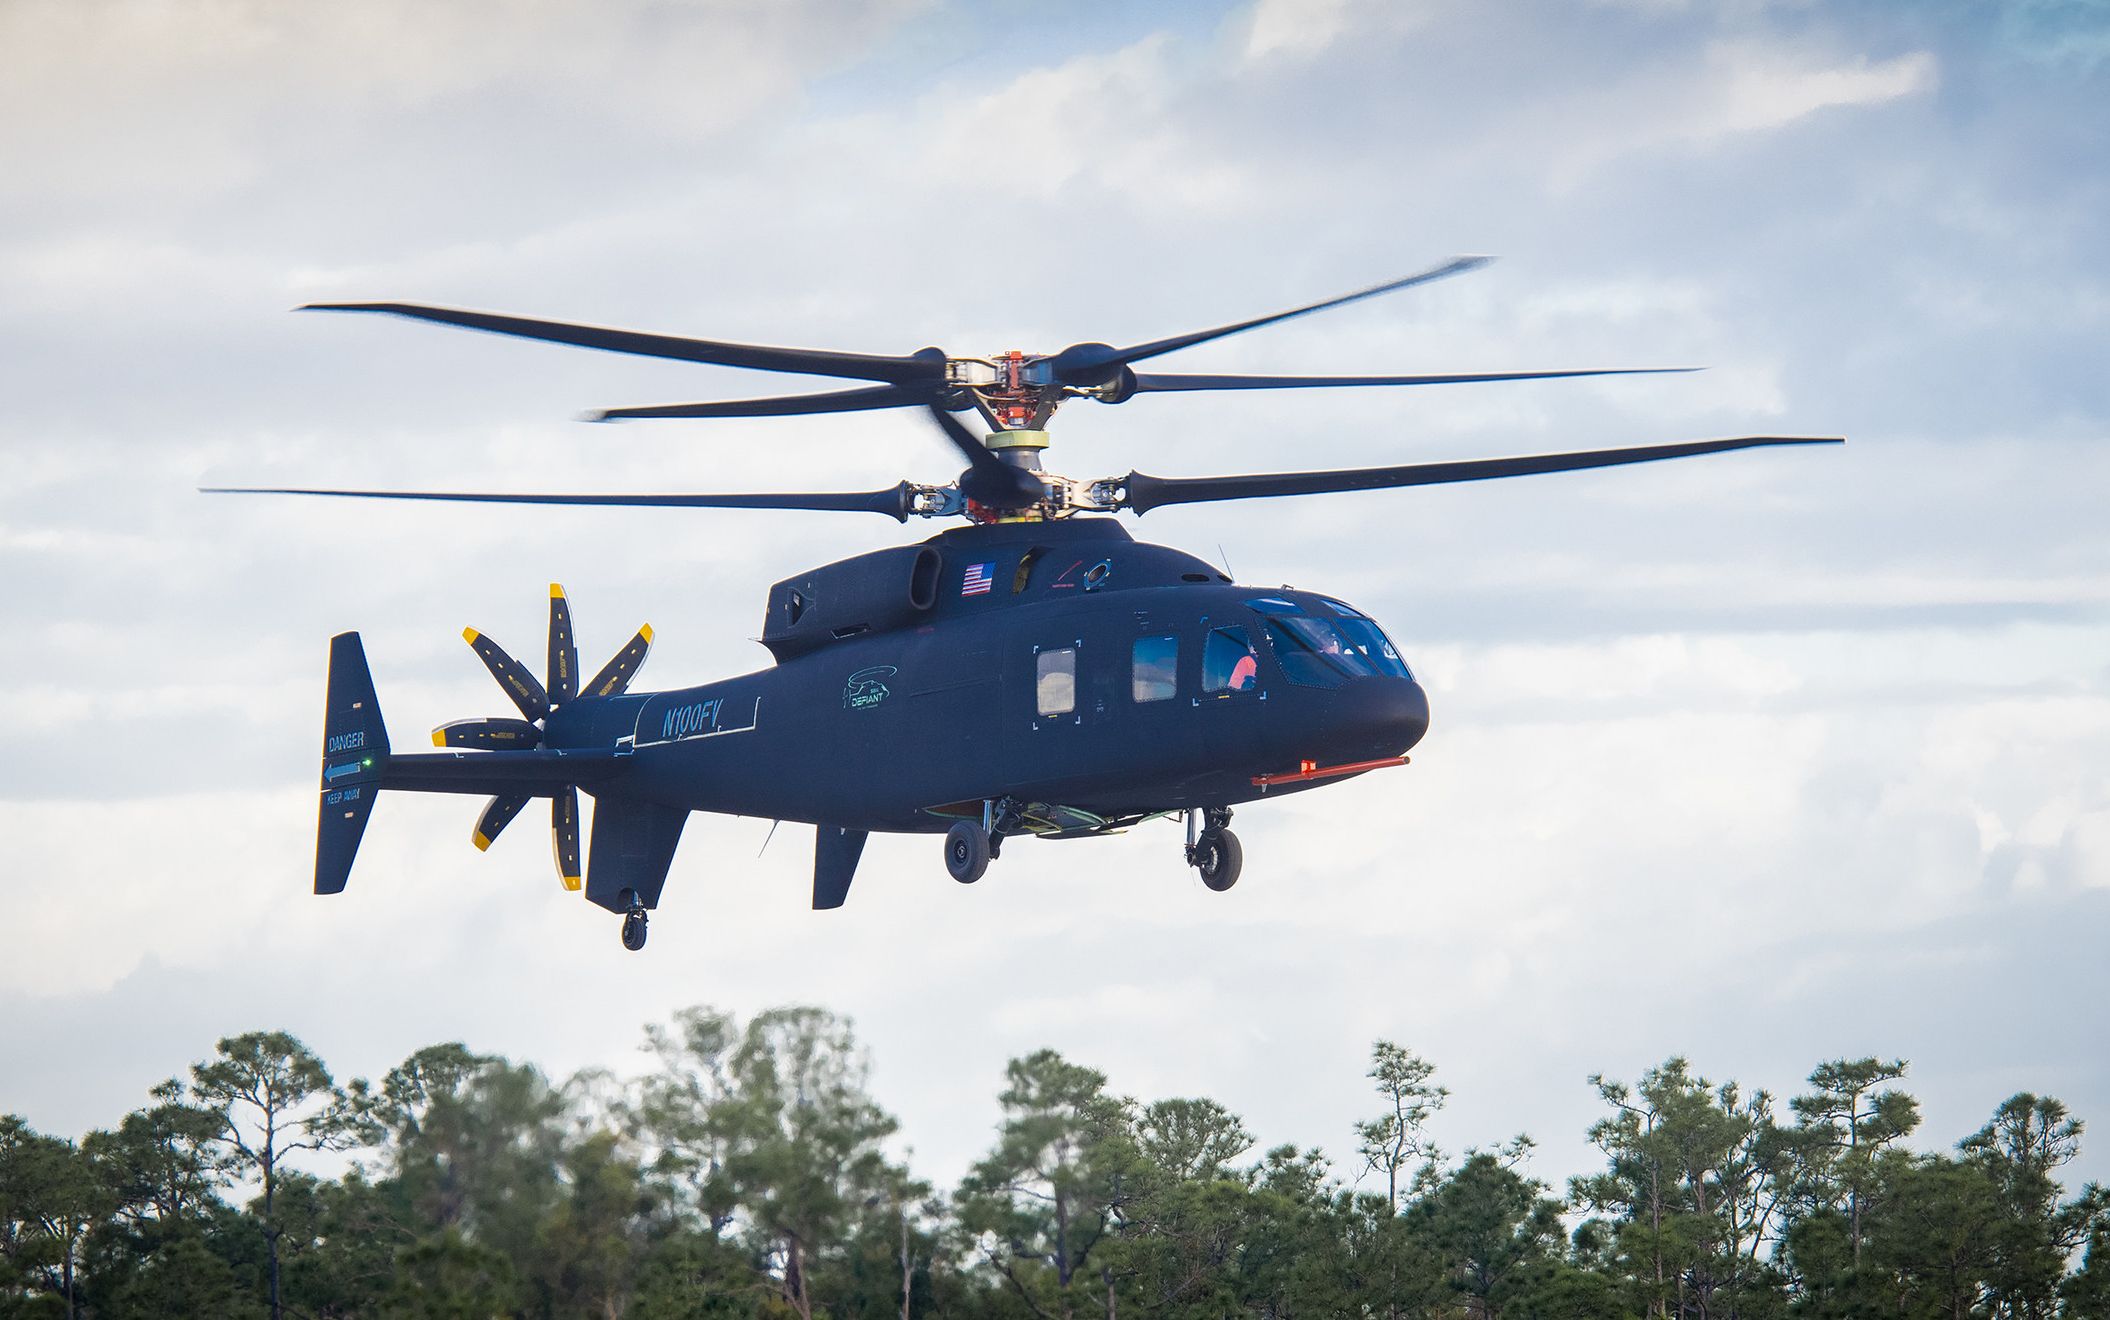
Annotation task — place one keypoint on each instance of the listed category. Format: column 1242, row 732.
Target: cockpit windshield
column 1319, row 652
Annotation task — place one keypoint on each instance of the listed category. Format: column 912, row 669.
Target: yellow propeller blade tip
column 571, row 883
column 556, row 591
column 470, row 635
column 439, row 737
column 646, row 633
column 482, row 844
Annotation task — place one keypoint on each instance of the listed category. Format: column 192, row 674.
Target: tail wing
column 354, row 754
column 357, row 765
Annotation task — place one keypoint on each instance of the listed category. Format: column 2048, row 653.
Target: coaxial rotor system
column 1016, row 394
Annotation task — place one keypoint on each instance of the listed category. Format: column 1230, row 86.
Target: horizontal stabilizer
column 538, row 773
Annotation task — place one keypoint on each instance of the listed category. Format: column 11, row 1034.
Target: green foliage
column 1394, row 1142
column 745, row 1176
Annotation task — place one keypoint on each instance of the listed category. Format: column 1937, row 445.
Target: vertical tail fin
column 354, row 750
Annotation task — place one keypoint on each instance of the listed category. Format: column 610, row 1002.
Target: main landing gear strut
column 1211, row 847
column 634, row 922
column 1212, row 850
column 970, row 845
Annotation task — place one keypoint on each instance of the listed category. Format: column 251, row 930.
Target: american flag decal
column 977, row 582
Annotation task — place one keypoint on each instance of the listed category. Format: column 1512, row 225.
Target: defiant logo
column 867, row 687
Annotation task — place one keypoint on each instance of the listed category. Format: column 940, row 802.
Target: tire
column 966, row 851
column 1219, row 858
column 634, row 931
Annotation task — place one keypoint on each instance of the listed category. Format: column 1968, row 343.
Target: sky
column 1762, row 759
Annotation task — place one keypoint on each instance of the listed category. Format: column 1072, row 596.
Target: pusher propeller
column 538, row 703
column 614, row 678
column 513, row 676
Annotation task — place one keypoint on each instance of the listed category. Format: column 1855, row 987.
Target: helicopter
column 1036, row 672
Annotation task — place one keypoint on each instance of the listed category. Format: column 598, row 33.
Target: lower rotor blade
column 896, row 502
column 493, row 735
column 792, row 405
column 563, row 668
column 614, row 678
column 513, row 676
column 498, row 813
column 1163, row 384
column 564, row 835
column 1142, row 493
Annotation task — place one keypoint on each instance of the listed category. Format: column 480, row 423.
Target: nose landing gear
column 1212, row 849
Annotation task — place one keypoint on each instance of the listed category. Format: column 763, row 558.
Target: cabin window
column 1055, row 681
column 1228, row 664
column 1155, row 668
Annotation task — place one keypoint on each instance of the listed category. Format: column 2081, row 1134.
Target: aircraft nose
column 1383, row 717
column 1402, row 714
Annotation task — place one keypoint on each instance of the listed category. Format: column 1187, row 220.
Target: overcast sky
column 1764, row 759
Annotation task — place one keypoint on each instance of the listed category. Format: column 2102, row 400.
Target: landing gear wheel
column 966, row 851
column 1219, row 858
column 634, row 929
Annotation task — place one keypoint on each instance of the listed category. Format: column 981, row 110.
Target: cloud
column 1728, row 91
column 1764, row 88
column 1301, row 29
column 1100, row 121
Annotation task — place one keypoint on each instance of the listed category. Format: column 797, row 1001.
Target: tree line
column 747, row 1173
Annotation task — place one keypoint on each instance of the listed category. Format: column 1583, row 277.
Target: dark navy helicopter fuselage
column 1054, row 679
column 1064, row 664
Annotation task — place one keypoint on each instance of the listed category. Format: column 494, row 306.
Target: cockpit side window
column 1313, row 652
column 1317, row 651
column 1228, row 662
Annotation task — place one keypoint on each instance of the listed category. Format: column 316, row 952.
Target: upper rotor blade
column 895, row 502
column 1143, row 493
column 1155, row 347
column 883, row 396
column 1163, row 384
column 563, row 671
column 928, row 365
